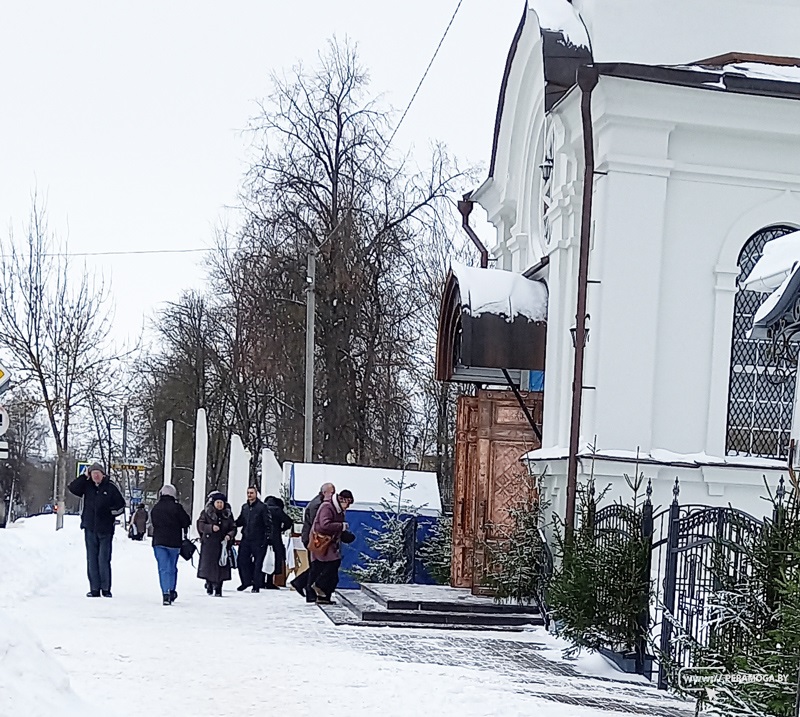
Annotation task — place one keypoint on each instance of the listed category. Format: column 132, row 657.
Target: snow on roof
column 368, row 485
column 776, row 263
column 560, row 16
column 504, row 293
column 754, row 70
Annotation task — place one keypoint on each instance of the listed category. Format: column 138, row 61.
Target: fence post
column 647, row 543
column 670, row 579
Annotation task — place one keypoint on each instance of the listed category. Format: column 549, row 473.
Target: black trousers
column 327, row 578
column 251, row 562
column 310, row 577
column 98, row 559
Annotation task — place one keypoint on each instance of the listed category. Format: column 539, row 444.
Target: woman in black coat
column 170, row 523
column 281, row 522
column 217, row 529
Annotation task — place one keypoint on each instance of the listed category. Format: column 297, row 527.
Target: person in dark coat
column 254, row 520
column 300, row 583
column 280, row 523
column 217, row 529
column 102, row 503
column 170, row 523
column 325, row 565
column 139, row 522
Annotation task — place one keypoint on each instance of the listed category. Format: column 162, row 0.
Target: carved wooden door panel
column 503, row 436
column 465, row 480
column 492, row 434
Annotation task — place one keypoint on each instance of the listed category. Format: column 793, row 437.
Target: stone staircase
column 427, row 606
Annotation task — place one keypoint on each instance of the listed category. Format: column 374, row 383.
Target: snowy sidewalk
column 249, row 654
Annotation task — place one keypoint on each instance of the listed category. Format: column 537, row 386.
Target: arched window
column 760, row 399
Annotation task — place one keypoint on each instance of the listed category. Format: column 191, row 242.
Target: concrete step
column 436, row 598
column 339, row 614
column 369, row 610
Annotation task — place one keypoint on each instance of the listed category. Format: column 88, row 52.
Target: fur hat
column 215, row 496
column 169, row 489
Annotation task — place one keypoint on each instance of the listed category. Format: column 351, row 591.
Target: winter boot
column 218, row 590
column 93, row 593
column 167, row 599
column 173, row 595
column 271, row 584
column 105, row 593
column 209, row 588
column 242, row 588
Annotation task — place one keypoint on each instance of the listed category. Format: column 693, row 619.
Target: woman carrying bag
column 217, row 530
column 325, row 546
column 170, row 523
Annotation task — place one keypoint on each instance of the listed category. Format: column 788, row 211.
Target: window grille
column 760, row 399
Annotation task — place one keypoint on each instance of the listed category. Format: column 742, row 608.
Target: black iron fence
column 685, row 549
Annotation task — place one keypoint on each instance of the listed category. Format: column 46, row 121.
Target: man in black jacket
column 102, row 503
column 300, row 583
column 256, row 525
column 170, row 523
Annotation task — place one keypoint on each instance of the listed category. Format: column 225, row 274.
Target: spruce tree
column 388, row 562
column 436, row 552
column 515, row 562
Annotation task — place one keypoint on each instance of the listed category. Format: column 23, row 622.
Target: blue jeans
column 98, row 559
column 167, row 559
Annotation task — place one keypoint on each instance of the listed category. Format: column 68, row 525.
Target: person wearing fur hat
column 217, row 529
column 102, row 503
column 170, row 523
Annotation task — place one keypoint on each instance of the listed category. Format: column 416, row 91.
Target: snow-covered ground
column 62, row 653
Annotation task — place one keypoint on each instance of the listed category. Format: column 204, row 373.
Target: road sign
column 129, row 467
column 5, row 377
column 3, row 450
column 81, row 468
column 4, row 421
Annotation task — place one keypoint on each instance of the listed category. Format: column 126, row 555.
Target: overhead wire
column 130, row 252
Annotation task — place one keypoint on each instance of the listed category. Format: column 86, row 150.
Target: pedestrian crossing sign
column 81, row 468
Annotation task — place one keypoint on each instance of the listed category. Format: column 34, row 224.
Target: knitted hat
column 216, row 495
column 169, row 489
column 96, row 467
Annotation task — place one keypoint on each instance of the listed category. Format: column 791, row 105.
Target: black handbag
column 188, row 549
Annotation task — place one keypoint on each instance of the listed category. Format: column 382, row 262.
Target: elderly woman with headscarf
column 217, row 529
column 170, row 523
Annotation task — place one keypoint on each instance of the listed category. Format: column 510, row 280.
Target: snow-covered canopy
column 776, row 263
column 560, row 16
column 499, row 292
column 777, row 272
column 368, row 485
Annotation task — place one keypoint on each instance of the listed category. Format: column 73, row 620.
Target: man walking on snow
column 300, row 583
column 256, row 525
column 102, row 503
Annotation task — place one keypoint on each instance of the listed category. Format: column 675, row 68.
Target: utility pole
column 311, row 278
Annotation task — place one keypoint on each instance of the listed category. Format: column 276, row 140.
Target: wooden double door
column 492, row 433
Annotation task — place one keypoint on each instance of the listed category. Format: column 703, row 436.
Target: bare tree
column 54, row 328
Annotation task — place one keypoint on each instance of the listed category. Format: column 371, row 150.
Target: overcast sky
column 127, row 115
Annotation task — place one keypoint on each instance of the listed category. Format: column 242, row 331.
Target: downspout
column 587, row 81
column 465, row 206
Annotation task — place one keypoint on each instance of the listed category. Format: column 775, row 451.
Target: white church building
column 691, row 111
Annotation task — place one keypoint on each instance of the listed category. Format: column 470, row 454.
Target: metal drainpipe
column 465, row 207
column 587, row 81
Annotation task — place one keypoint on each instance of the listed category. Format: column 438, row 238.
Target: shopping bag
column 269, row 561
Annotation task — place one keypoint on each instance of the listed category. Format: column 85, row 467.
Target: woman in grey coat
column 217, row 529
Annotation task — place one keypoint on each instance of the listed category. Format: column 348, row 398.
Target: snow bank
column 504, row 293
column 32, row 683
column 29, row 543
